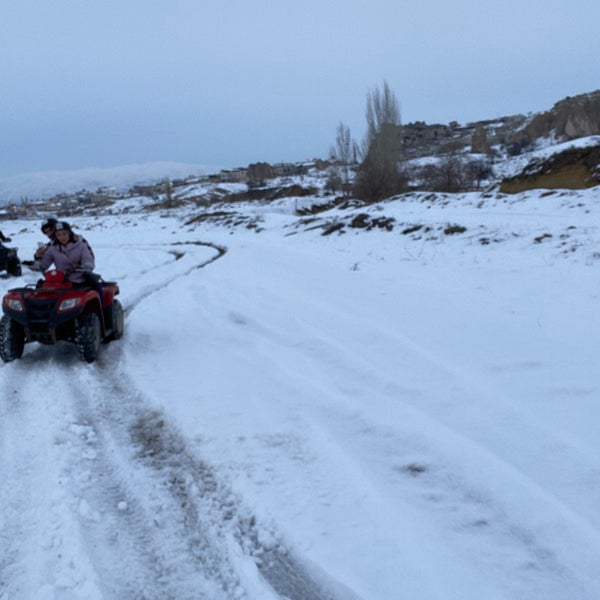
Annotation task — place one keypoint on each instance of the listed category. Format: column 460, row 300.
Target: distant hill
column 41, row 185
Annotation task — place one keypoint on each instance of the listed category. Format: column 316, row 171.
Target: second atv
column 55, row 310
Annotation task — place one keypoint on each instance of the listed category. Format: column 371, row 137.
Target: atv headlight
column 69, row 304
column 14, row 304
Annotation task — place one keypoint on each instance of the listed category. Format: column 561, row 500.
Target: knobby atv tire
column 12, row 339
column 88, row 337
column 117, row 321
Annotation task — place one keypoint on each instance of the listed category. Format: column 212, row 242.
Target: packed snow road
column 110, row 503
column 309, row 417
column 105, row 498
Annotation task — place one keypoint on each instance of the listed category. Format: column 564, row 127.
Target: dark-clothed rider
column 47, row 228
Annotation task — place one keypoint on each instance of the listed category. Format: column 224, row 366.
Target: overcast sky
column 99, row 83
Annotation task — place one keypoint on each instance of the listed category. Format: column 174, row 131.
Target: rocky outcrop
column 569, row 119
column 574, row 168
column 479, row 141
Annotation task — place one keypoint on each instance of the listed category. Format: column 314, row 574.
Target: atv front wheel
column 117, row 321
column 12, row 339
column 88, row 337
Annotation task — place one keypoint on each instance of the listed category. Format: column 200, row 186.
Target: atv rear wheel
column 117, row 321
column 12, row 339
column 88, row 337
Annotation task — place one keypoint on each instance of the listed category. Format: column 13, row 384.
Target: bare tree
column 379, row 176
column 382, row 110
column 480, row 170
column 453, row 173
column 343, row 153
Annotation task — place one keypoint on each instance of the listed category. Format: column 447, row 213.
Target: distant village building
column 107, row 192
column 239, row 175
column 418, row 134
column 260, row 171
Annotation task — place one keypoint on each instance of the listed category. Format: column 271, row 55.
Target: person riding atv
column 71, row 303
column 69, row 253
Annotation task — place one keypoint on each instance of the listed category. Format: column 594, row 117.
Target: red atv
column 56, row 309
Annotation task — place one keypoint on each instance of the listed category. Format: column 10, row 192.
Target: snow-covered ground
column 367, row 414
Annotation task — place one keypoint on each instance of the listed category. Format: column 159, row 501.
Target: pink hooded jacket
column 75, row 255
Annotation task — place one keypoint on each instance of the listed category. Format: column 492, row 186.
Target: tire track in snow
column 489, row 529
column 157, row 521
column 130, row 522
column 165, row 510
column 135, row 528
column 16, row 464
column 39, row 542
column 154, row 287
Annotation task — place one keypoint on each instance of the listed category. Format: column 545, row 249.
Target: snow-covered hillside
column 398, row 401
column 35, row 187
